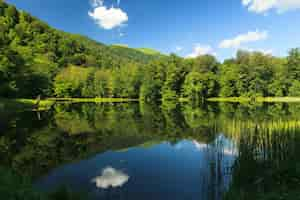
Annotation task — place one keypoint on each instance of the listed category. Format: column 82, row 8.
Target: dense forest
column 36, row 59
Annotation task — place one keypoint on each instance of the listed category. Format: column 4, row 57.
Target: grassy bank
column 258, row 99
column 31, row 104
column 267, row 166
column 24, row 104
column 92, row 100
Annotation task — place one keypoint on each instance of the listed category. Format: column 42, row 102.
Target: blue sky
column 186, row 27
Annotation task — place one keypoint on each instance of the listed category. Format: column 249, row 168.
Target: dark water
column 134, row 151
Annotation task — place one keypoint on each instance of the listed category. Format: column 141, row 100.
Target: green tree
column 70, row 81
column 293, row 64
column 228, row 80
column 198, row 86
column 206, row 63
column 102, row 81
column 175, row 75
column 153, row 81
column 294, row 90
column 88, row 89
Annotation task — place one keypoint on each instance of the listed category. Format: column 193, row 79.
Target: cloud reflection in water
column 110, row 177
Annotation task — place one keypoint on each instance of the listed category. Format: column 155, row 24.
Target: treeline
column 33, row 55
column 250, row 74
column 36, row 59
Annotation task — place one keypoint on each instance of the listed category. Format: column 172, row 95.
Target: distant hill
column 32, row 54
column 146, row 52
column 149, row 51
column 28, row 33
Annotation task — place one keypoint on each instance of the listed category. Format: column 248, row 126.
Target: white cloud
column 111, row 178
column 262, row 6
column 264, row 51
column 97, row 3
column 246, row 2
column 201, row 50
column 230, row 152
column 199, row 146
column 108, row 18
column 251, row 36
column 178, row 48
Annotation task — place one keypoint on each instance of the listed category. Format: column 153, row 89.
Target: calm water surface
column 133, row 151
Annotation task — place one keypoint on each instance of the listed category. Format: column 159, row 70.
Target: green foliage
column 70, row 81
column 153, row 81
column 15, row 186
column 76, row 81
column 272, row 175
column 198, row 86
column 33, row 58
column 102, row 83
column 295, row 88
column 205, row 63
column 293, row 64
column 253, row 75
column 228, row 80
column 126, row 82
column 36, row 59
column 175, row 75
column 266, row 134
column 149, row 51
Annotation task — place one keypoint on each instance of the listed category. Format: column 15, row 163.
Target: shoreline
column 93, row 100
column 46, row 104
column 258, row 99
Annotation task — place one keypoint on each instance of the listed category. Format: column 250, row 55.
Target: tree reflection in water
column 241, row 142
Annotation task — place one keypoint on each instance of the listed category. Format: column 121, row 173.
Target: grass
column 183, row 100
column 281, row 99
column 229, row 99
column 148, row 51
column 31, row 104
column 24, row 104
column 268, row 165
column 42, row 104
column 92, row 100
column 258, row 99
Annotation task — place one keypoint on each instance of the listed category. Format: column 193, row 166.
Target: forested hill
column 30, row 46
column 36, row 59
column 67, row 47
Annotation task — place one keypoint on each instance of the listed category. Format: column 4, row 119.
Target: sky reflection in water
column 133, row 151
column 185, row 170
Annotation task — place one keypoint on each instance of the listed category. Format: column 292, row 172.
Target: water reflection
column 146, row 172
column 110, row 177
column 181, row 152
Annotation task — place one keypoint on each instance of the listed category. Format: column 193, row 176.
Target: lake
column 137, row 151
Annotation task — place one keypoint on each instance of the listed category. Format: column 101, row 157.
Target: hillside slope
column 31, row 49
